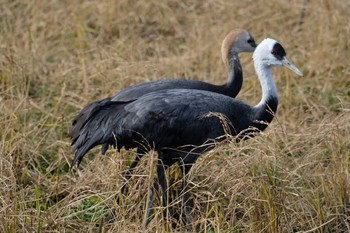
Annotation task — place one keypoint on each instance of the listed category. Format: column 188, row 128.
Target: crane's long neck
column 267, row 107
column 234, row 73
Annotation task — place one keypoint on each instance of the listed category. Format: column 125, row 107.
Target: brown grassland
column 57, row 56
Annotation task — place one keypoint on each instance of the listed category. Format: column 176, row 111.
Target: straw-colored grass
column 57, row 56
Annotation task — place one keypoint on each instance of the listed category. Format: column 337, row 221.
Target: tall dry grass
column 57, row 56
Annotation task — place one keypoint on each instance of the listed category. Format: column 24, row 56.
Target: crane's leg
column 187, row 208
column 163, row 164
column 155, row 188
column 104, row 148
column 128, row 173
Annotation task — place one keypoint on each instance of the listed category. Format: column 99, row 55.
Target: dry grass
column 57, row 56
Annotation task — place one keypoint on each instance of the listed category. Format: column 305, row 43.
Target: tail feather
column 83, row 116
column 101, row 127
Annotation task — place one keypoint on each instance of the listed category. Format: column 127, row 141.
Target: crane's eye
column 250, row 41
column 273, row 52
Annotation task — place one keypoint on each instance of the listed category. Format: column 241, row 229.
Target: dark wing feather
column 163, row 119
column 130, row 94
column 98, row 128
column 80, row 120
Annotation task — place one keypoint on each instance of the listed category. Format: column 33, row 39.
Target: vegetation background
column 57, row 56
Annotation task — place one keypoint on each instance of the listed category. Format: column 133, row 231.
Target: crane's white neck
column 267, row 84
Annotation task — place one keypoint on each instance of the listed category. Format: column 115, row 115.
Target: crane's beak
column 291, row 66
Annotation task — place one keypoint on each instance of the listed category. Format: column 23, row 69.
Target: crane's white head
column 271, row 53
column 237, row 41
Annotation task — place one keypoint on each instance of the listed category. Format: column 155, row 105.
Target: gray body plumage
column 169, row 119
column 134, row 92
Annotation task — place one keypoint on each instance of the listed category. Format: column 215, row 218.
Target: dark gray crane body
column 167, row 119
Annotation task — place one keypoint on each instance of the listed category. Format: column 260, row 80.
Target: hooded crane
column 236, row 41
column 178, row 123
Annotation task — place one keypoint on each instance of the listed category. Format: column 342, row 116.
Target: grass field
column 57, row 56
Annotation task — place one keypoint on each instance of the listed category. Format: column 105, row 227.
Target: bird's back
column 138, row 90
column 165, row 119
column 173, row 118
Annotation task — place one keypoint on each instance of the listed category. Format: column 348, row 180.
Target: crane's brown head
column 236, row 41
